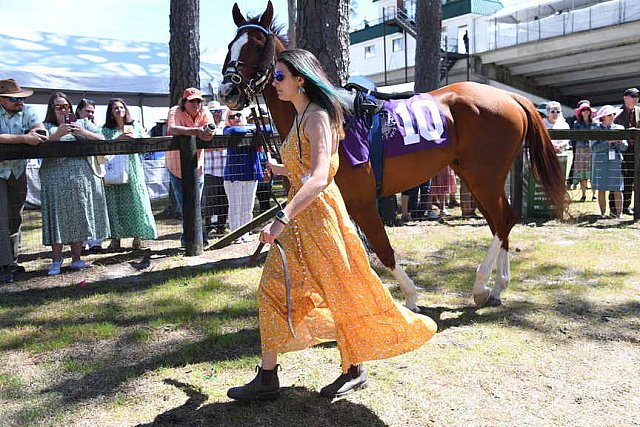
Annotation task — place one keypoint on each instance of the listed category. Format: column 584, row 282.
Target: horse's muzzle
column 231, row 96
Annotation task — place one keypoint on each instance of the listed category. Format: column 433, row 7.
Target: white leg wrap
column 486, row 267
column 503, row 273
column 409, row 289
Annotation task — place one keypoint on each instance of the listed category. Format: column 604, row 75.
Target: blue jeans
column 176, row 183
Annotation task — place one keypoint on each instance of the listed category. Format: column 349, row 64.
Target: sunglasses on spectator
column 14, row 98
column 64, row 107
column 198, row 100
column 554, row 111
column 88, row 101
column 278, row 75
column 235, row 116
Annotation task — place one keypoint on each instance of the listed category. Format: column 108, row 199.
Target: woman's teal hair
column 317, row 86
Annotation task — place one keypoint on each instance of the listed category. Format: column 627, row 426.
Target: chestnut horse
column 486, row 129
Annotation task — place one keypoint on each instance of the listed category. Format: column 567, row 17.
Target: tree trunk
column 323, row 29
column 429, row 25
column 291, row 31
column 184, row 47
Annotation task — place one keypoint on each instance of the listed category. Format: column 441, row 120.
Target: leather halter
column 264, row 72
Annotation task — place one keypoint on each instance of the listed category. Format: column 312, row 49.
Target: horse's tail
column 545, row 166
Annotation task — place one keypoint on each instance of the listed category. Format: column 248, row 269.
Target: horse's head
column 249, row 64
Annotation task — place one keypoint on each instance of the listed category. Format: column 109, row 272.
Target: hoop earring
column 301, row 89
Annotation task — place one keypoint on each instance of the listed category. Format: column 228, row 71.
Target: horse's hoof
column 413, row 308
column 493, row 301
column 482, row 298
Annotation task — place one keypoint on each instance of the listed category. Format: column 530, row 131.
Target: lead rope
column 287, row 285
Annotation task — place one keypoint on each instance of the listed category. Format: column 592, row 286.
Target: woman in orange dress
column 336, row 296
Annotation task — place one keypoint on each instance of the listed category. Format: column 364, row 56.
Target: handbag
column 117, row 170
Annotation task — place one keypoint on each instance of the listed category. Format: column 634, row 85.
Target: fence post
column 636, row 175
column 191, row 213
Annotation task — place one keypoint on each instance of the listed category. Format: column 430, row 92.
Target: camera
column 209, row 127
column 42, row 132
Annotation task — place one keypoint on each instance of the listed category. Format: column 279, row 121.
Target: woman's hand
column 275, row 167
column 271, row 231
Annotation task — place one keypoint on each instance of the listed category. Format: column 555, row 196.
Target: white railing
column 565, row 21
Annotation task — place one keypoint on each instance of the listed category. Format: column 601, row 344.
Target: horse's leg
column 501, row 218
column 503, row 275
column 367, row 217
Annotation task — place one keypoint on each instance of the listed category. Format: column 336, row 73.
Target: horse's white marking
column 409, row 289
column 503, row 273
column 486, row 267
column 236, row 47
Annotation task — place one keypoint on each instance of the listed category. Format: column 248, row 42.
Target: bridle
column 264, row 68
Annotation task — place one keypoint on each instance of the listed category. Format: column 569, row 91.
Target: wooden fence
column 189, row 145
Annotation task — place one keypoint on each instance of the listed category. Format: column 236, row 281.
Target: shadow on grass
column 245, row 342
column 296, row 406
column 148, row 280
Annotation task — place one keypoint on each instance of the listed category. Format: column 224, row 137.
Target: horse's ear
column 267, row 16
column 237, row 16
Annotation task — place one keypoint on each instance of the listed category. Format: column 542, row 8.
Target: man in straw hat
column 629, row 118
column 19, row 124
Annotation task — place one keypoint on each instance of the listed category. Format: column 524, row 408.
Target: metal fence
column 170, row 225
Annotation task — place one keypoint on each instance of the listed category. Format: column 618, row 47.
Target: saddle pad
column 411, row 125
column 406, row 126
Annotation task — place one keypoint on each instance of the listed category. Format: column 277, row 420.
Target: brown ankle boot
column 355, row 378
column 265, row 385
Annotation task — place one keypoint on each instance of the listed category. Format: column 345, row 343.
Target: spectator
column 416, row 201
column 581, row 164
column 215, row 199
column 629, row 118
column 607, row 163
column 18, row 125
column 242, row 172
column 73, row 202
column 128, row 204
column 442, row 184
column 86, row 109
column 555, row 120
column 159, row 129
column 263, row 193
column 188, row 118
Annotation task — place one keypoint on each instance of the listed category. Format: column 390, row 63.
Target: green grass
column 119, row 353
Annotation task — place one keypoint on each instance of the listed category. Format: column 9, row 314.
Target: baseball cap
column 192, row 93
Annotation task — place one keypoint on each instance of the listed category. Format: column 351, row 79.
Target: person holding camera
column 19, row 124
column 74, row 207
column 190, row 117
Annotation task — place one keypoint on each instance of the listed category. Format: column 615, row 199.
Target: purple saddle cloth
column 406, row 126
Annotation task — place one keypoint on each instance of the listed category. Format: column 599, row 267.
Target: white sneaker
column 79, row 265
column 445, row 212
column 54, row 268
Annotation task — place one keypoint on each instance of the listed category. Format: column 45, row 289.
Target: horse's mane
column 276, row 29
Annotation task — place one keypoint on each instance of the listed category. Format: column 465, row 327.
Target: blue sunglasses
column 14, row 98
column 278, row 75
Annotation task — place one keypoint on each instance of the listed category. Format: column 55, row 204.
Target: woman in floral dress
column 336, row 296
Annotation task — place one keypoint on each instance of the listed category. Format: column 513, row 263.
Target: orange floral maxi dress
column 336, row 296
